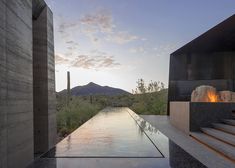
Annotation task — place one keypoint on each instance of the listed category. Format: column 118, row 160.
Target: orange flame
column 212, row 97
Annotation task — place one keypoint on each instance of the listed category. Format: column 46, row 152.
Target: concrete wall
column 16, row 85
column 44, row 82
column 180, row 115
column 17, row 76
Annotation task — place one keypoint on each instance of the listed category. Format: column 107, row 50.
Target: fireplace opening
column 206, row 93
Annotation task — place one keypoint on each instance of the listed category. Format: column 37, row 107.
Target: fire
column 212, row 97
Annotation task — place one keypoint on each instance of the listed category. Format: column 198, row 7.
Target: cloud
column 98, row 26
column 71, row 46
column 101, row 20
column 84, row 61
column 95, row 60
column 108, row 62
column 65, row 30
column 66, row 25
column 121, row 37
column 60, row 59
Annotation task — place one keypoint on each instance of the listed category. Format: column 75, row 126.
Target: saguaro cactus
column 68, row 98
column 68, row 88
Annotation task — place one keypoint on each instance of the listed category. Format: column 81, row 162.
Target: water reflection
column 160, row 141
column 176, row 157
column 111, row 133
column 121, row 134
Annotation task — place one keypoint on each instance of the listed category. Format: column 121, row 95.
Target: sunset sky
column 116, row 42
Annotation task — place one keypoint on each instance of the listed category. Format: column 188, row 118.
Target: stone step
column 221, row 135
column 217, row 145
column 224, row 127
column 229, row 121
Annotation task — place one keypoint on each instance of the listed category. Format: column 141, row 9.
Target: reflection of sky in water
column 160, row 140
column 111, row 133
column 121, row 134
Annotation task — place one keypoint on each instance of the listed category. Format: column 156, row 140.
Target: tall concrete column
column 44, row 81
column 16, row 83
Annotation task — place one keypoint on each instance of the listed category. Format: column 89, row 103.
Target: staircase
column 220, row 138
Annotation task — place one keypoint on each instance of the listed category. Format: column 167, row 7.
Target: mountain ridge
column 94, row 89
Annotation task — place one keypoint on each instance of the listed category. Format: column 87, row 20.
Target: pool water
column 116, row 137
column 111, row 133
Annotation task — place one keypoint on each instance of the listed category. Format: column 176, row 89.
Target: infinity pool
column 114, row 138
column 111, row 133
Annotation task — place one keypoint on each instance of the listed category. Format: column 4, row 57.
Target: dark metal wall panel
column 212, row 113
column 206, row 60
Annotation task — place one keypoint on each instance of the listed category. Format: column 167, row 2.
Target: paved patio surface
column 199, row 151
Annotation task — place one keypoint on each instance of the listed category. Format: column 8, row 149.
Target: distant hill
column 94, row 89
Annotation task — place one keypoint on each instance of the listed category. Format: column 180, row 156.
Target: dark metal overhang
column 218, row 39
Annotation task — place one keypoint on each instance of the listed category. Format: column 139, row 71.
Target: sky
column 116, row 42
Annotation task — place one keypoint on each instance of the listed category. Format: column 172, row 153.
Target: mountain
column 94, row 89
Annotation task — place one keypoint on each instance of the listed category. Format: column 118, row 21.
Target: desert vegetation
column 147, row 99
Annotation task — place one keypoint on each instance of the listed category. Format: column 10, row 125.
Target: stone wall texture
column 17, row 87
